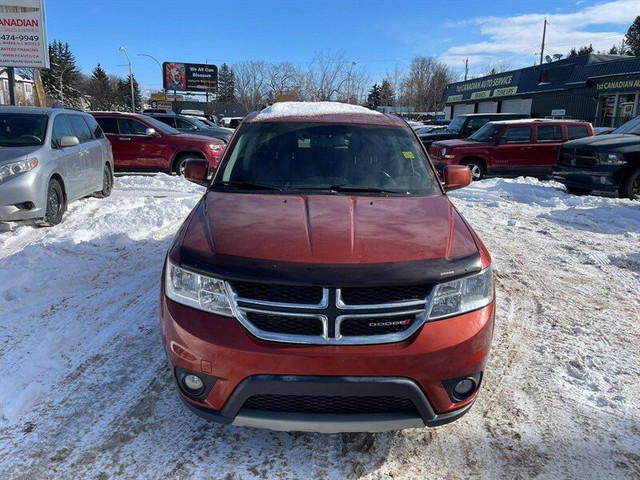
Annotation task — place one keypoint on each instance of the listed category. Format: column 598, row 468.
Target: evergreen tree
column 387, row 95
column 632, row 38
column 226, row 84
column 123, row 95
column 63, row 67
column 373, row 99
column 100, row 90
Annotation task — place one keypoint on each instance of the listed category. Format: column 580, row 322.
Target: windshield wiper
column 357, row 189
column 248, row 185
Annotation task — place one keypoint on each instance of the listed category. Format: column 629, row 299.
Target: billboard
column 23, row 34
column 189, row 77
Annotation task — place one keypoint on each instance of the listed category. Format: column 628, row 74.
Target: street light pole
column 164, row 90
column 133, row 100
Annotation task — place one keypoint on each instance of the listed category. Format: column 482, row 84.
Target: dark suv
column 609, row 163
column 464, row 125
column 194, row 126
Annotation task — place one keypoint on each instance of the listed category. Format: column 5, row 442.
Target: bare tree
column 251, row 83
column 497, row 67
column 283, row 78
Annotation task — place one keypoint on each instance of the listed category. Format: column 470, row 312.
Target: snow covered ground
column 85, row 391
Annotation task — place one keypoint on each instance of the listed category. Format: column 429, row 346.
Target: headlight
column 444, row 151
column 612, row 159
column 14, row 168
column 462, row 295
column 197, row 291
column 215, row 147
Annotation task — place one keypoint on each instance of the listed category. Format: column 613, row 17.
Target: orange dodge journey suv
column 325, row 281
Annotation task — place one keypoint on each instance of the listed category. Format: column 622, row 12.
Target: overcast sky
column 378, row 35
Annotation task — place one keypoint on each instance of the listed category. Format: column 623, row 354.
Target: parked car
column 510, row 148
column 194, row 126
column 49, row 158
column 339, row 288
column 231, row 122
column 430, row 128
column 604, row 130
column 464, row 125
column 605, row 163
column 167, row 111
column 142, row 143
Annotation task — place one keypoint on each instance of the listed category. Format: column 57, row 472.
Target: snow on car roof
column 322, row 111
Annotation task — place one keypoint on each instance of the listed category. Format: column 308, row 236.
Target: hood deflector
column 231, row 267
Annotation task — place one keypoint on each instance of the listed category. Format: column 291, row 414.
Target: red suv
column 142, row 143
column 510, row 147
column 325, row 282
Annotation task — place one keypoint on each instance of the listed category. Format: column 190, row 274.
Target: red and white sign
column 23, row 34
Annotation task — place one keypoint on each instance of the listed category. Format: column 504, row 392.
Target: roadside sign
column 559, row 112
column 189, row 77
column 160, row 104
column 23, row 34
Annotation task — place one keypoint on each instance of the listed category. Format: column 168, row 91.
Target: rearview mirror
column 197, row 171
column 69, row 141
column 456, row 176
column 150, row 132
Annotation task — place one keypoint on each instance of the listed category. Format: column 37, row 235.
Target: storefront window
column 609, row 115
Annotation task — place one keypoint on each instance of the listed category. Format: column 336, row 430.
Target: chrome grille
column 353, row 315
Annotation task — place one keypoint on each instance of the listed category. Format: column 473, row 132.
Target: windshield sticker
column 408, row 155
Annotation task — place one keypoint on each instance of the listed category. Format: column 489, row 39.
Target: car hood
column 457, row 143
column 444, row 134
column 190, row 138
column 13, row 154
column 610, row 141
column 328, row 229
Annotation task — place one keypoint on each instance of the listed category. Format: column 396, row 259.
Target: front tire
column 107, row 183
column 179, row 165
column 630, row 187
column 476, row 168
column 55, row 205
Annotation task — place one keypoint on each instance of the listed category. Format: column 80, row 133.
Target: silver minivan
column 50, row 157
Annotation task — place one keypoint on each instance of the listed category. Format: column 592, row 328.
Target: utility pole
column 12, row 85
column 544, row 34
column 466, row 68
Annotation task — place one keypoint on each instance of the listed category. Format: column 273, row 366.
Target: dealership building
column 602, row 89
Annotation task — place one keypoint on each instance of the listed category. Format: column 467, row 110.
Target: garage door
column 488, row 107
column 516, row 105
column 462, row 109
column 447, row 110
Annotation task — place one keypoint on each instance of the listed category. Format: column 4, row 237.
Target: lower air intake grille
column 329, row 404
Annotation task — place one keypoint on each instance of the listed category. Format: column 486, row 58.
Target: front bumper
column 606, row 178
column 16, row 191
column 221, row 347
column 234, row 413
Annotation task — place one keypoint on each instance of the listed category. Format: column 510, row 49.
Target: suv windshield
column 486, row 133
column 456, row 124
column 22, row 129
column 163, row 127
column 631, row 127
column 330, row 157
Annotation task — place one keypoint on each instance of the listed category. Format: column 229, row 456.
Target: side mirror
column 150, row 132
column 456, row 176
column 197, row 171
column 69, row 141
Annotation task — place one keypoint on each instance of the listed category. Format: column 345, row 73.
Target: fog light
column 464, row 388
column 193, row 384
